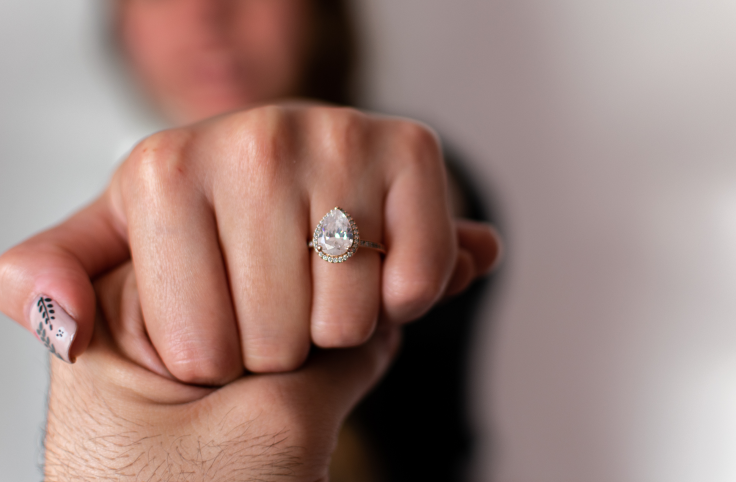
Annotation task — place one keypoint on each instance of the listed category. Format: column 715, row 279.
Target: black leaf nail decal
column 44, row 307
column 57, row 336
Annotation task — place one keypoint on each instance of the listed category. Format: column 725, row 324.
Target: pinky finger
column 480, row 252
column 462, row 275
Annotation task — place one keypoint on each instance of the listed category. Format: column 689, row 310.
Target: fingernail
column 53, row 327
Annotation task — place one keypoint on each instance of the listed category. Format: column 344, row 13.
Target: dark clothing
column 416, row 418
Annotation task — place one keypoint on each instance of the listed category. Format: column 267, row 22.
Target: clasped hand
column 216, row 218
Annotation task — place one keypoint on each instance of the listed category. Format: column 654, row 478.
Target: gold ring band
column 363, row 244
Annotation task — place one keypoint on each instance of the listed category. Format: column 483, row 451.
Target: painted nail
column 53, row 327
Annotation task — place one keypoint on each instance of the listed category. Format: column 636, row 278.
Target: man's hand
column 112, row 419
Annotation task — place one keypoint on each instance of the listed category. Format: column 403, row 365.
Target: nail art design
column 53, row 327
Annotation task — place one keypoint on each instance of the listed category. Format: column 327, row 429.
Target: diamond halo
column 336, row 238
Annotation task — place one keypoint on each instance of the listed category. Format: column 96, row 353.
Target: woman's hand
column 110, row 419
column 217, row 218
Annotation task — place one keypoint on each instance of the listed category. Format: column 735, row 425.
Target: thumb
column 334, row 381
column 45, row 281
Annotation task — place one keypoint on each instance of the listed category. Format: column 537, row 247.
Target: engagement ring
column 337, row 237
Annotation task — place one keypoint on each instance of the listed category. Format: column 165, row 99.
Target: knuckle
column 344, row 119
column 157, row 162
column 407, row 298
column 273, row 364
column 418, row 134
column 342, row 335
column 265, row 116
column 275, row 359
column 421, row 143
column 190, row 365
column 344, row 132
column 264, row 142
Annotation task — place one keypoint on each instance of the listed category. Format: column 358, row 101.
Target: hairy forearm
column 98, row 433
column 112, row 419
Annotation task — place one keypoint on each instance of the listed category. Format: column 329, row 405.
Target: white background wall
column 608, row 131
column 60, row 129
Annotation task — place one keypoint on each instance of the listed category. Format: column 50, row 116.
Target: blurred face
column 199, row 58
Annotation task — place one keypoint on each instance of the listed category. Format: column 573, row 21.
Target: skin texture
column 112, row 419
column 215, row 213
column 217, row 216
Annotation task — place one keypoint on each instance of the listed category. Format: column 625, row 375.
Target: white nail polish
column 53, row 327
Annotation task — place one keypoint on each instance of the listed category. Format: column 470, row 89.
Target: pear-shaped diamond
column 335, row 233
